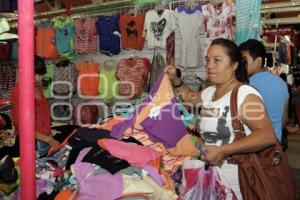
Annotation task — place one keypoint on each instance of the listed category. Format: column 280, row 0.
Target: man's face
column 252, row 65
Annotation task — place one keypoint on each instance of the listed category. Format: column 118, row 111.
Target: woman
column 42, row 110
column 225, row 70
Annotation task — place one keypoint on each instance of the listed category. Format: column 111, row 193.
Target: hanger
column 160, row 7
column 109, row 64
column 190, row 4
column 217, row 4
column 134, row 10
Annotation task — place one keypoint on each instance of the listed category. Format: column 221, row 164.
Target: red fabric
column 5, row 51
column 42, row 111
column 132, row 73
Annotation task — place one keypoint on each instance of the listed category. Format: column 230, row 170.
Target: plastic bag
column 203, row 183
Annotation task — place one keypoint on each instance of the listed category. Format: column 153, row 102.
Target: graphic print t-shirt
column 158, row 28
column 131, row 28
column 215, row 118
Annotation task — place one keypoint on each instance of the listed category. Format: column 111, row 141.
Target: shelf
column 287, row 20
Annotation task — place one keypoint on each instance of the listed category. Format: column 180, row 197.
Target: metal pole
column 26, row 98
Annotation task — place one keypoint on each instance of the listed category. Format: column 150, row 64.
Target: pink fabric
column 136, row 155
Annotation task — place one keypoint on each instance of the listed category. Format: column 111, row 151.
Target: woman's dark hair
column 39, row 66
column 235, row 56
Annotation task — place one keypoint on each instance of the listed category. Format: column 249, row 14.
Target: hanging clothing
column 158, row 66
column 131, row 28
column 191, row 26
column 88, row 77
column 247, row 20
column 109, row 35
column 108, row 84
column 86, row 41
column 65, row 76
column 132, row 74
column 218, row 25
column 45, row 41
column 170, row 49
column 48, row 78
column 65, row 36
column 158, row 28
column 8, row 73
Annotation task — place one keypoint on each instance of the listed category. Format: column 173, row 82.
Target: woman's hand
column 172, row 74
column 213, row 155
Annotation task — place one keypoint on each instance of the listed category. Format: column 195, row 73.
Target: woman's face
column 218, row 65
column 38, row 79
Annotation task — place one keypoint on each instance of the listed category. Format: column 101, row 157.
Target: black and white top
column 215, row 126
column 158, row 28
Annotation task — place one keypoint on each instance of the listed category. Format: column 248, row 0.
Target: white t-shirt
column 158, row 28
column 215, row 127
column 191, row 26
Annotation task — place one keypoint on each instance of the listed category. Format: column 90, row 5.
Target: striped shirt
column 86, row 36
column 133, row 74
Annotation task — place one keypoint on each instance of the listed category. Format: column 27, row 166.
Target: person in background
column 42, row 110
column 271, row 87
column 225, row 71
column 285, row 131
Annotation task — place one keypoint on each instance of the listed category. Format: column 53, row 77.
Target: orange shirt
column 131, row 28
column 88, row 78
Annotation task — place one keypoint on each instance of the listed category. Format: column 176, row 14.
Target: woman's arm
column 253, row 114
column 47, row 139
column 186, row 94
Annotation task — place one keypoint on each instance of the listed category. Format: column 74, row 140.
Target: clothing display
column 247, row 20
column 191, row 26
column 109, row 35
column 86, row 40
column 132, row 74
column 131, row 28
column 108, row 84
column 65, row 35
column 88, row 78
column 218, row 24
column 158, row 27
column 114, row 121
column 158, row 65
column 8, row 73
column 48, row 78
column 45, row 41
column 170, row 49
column 65, row 77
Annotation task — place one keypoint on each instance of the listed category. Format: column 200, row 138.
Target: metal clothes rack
column 112, row 7
column 267, row 9
column 123, row 6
